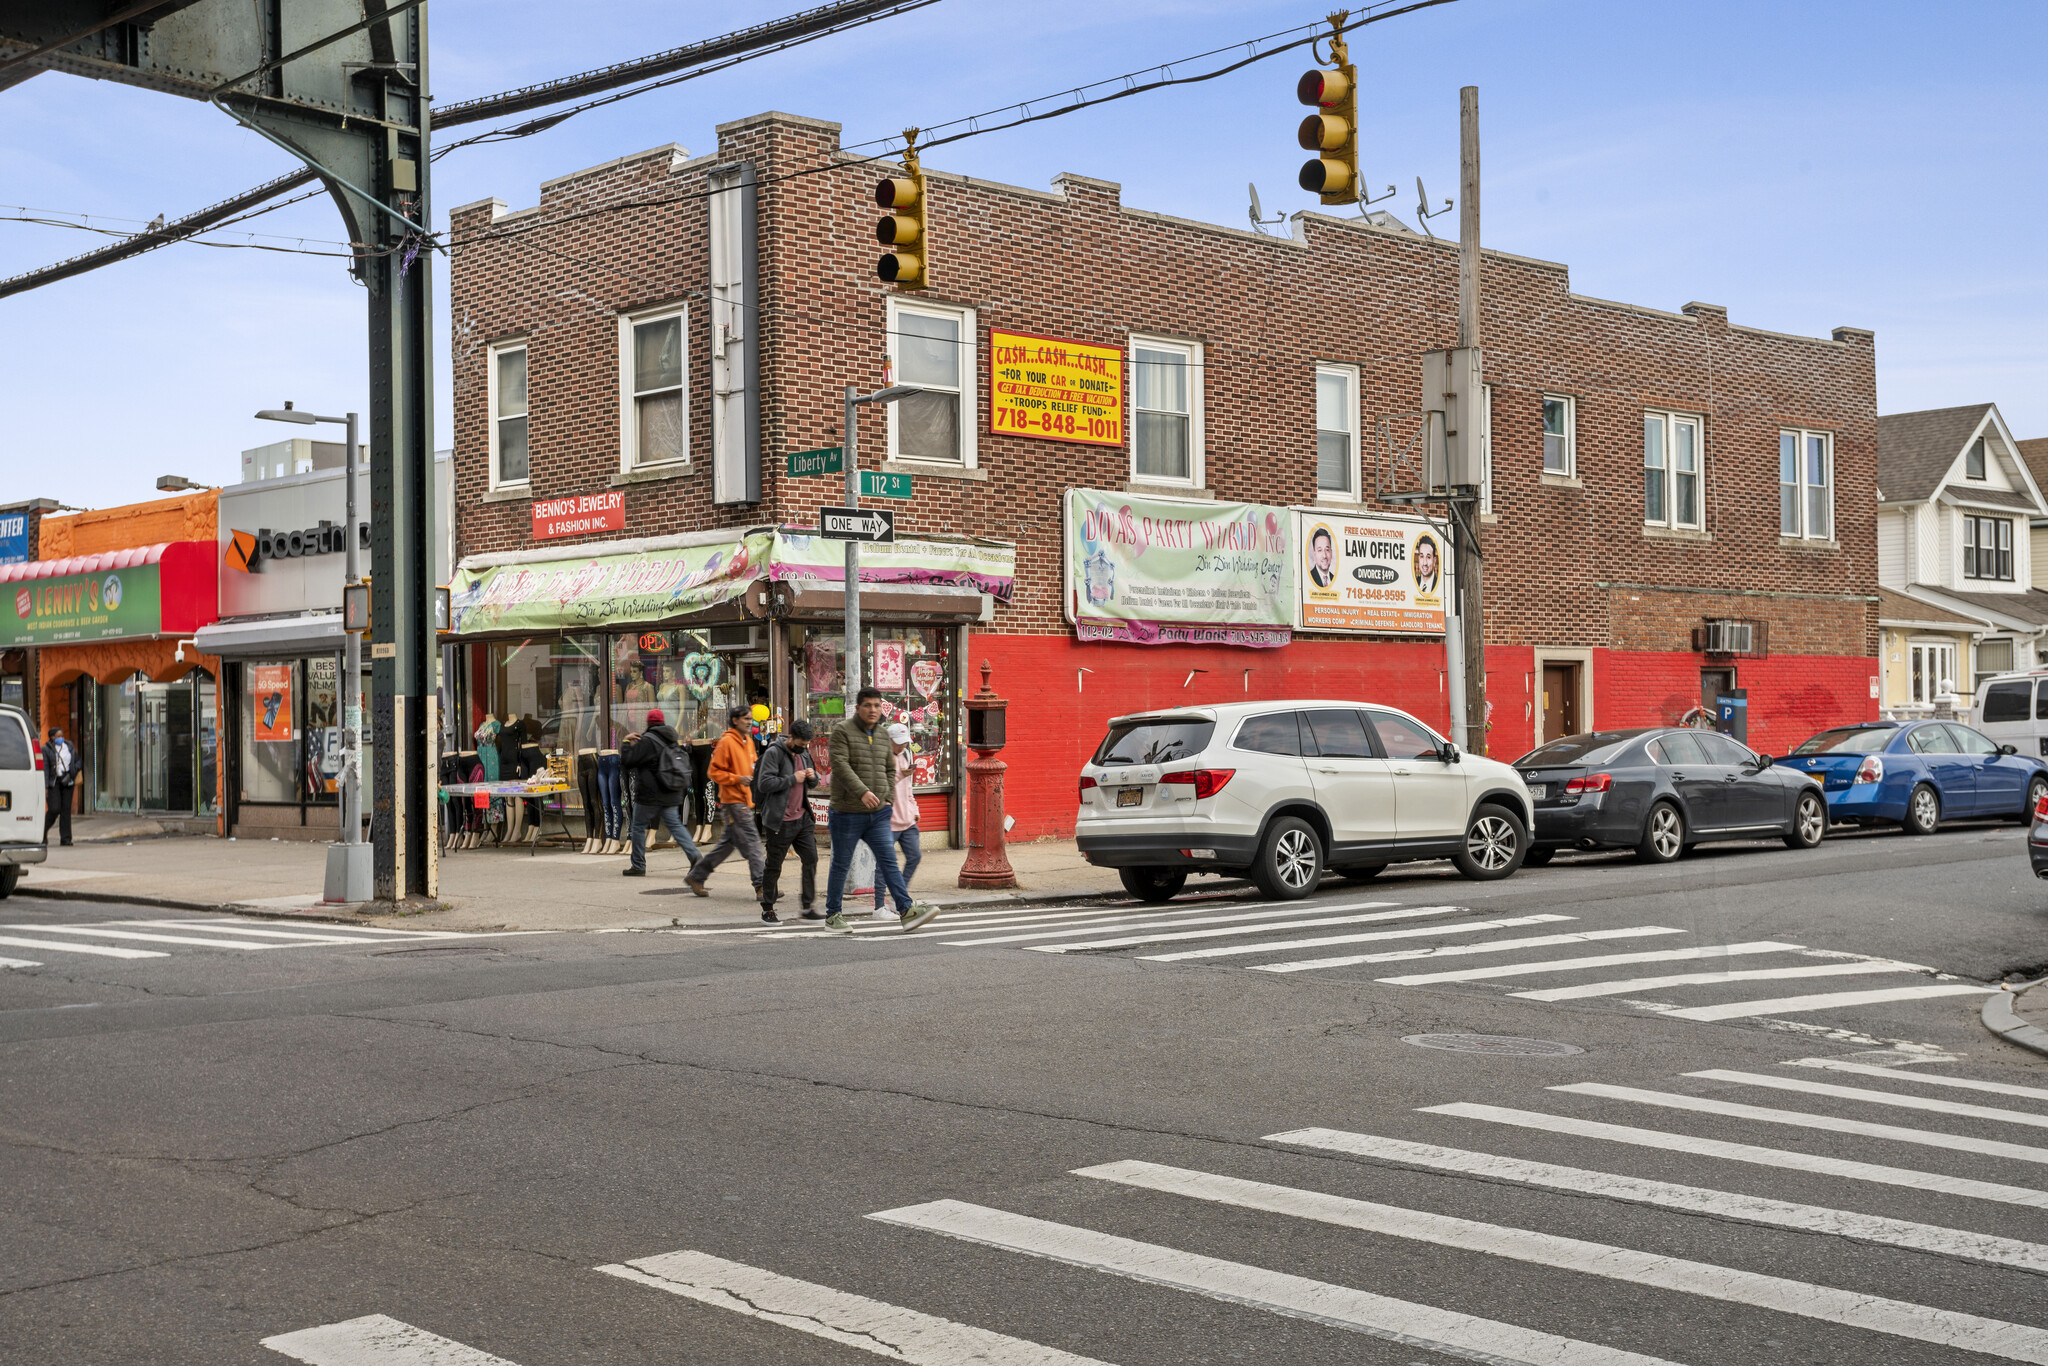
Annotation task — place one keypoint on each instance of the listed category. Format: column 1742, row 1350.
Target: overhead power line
column 774, row 35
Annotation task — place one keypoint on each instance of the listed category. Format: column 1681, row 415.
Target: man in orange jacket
column 732, row 769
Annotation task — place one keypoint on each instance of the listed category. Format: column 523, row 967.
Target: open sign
column 654, row 643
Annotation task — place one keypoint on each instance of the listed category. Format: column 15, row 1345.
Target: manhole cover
column 1506, row 1045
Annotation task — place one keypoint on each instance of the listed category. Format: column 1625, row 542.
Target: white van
column 2012, row 709
column 21, row 798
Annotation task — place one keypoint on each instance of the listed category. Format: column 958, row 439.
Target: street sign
column 857, row 524
column 874, row 484
column 826, row 460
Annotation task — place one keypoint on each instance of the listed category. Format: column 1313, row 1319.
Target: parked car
column 2013, row 710
column 1919, row 773
column 1660, row 791
column 2037, row 839
column 1282, row 791
column 22, row 839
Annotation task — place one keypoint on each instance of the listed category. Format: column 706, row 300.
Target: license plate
column 1539, row 790
column 1129, row 796
column 6, row 801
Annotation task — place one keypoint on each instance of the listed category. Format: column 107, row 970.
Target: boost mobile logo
column 247, row 551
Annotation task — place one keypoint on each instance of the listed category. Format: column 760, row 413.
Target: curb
column 2001, row 1019
column 165, row 903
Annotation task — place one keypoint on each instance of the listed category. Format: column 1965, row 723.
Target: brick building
column 657, row 334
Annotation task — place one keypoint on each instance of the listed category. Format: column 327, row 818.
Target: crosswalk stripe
column 1834, row 1000
column 1535, row 941
column 375, row 1340
column 1872, row 1313
column 1234, row 918
column 145, row 937
column 97, row 950
column 1543, row 965
column 1903, row 1102
column 1988, row 1147
column 1078, row 919
column 1920, row 1078
column 17, row 963
column 1631, row 985
column 851, row 1320
column 1947, row 1242
column 1746, row 1152
column 1175, row 936
column 1338, row 1306
column 368, row 934
column 1289, row 945
column 247, row 931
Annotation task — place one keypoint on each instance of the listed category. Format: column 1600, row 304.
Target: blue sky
column 1808, row 165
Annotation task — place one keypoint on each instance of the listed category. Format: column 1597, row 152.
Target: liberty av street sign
column 857, row 524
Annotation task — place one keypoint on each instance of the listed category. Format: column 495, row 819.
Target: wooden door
column 1560, row 700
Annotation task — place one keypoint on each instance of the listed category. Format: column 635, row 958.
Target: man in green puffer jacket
column 863, row 771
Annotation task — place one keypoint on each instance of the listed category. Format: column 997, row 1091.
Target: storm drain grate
column 1505, row 1045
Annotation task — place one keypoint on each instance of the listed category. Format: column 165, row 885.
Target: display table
column 514, row 790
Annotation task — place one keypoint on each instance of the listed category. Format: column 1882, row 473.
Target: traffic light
column 904, row 227
column 1332, row 132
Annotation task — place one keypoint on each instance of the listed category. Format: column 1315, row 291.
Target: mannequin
column 608, row 794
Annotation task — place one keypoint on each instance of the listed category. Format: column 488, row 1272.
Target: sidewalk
column 495, row 889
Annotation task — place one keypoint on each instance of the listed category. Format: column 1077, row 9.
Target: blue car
column 1919, row 773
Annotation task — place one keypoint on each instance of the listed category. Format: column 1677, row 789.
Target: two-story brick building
column 636, row 356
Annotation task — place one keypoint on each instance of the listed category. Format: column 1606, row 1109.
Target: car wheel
column 1290, row 862
column 1364, row 872
column 1539, row 856
column 1923, row 811
column 2036, row 790
column 1496, row 842
column 1663, row 835
column 1809, row 822
column 8, row 878
column 1153, row 884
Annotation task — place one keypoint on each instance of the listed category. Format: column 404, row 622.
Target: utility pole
column 1469, row 579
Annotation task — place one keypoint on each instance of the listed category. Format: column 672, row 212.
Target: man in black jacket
column 782, row 808
column 653, row 799
column 60, row 776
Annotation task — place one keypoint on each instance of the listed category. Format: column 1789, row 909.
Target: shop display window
column 269, row 731
column 322, row 748
column 914, row 668
column 677, row 672
column 116, row 787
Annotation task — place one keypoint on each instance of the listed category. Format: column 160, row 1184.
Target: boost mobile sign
column 1368, row 572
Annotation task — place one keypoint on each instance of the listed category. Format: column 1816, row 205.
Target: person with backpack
column 732, row 769
column 659, row 767
column 782, row 788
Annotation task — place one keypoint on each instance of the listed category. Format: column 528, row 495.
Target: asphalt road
column 1054, row 1135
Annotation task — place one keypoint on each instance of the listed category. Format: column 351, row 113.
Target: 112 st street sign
column 856, row 524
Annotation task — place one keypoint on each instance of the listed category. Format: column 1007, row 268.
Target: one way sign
column 857, row 524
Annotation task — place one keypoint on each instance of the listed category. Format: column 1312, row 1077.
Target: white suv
column 1283, row 790
column 21, row 799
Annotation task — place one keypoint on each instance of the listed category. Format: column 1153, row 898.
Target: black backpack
column 672, row 768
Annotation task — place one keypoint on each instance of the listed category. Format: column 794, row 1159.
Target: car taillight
column 2041, row 808
column 1206, row 782
column 1871, row 770
column 1591, row 782
column 39, row 761
column 1086, row 783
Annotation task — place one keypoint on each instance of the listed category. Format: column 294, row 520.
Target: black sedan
column 1661, row 791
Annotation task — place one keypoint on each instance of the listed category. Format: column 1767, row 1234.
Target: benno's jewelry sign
column 1368, row 572
column 579, row 514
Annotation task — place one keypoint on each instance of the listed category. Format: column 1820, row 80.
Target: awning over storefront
column 609, row 585
column 167, row 589
column 311, row 635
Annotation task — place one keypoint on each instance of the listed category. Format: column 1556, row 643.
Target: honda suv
column 1282, row 791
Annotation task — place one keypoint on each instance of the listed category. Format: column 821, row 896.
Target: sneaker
column 633, row 872
column 918, row 914
column 839, row 923
column 810, row 914
column 699, row 888
column 879, row 914
column 768, row 916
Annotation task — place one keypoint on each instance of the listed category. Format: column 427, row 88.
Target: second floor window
column 1337, row 431
column 1557, row 435
column 1165, row 403
column 1806, row 485
column 1987, row 548
column 657, row 423
column 510, row 463
column 1973, row 463
column 1671, row 470
column 933, row 348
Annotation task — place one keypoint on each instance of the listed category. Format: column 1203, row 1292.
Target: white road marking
column 1872, row 1313
column 17, row 963
column 1947, row 1242
column 1920, row 1078
column 1069, row 919
column 1987, row 1147
column 1903, row 1102
column 850, row 1320
column 1700, row 979
column 1534, row 941
column 98, row 950
column 375, row 1340
column 144, row 936
column 1745, row 1152
column 243, row 929
column 1543, row 965
column 1233, row 918
column 1337, row 1306
column 1174, row 936
column 370, row 934
column 1474, row 927
column 1790, row 1005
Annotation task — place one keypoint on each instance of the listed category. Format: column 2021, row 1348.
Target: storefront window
column 913, row 667
column 323, row 729
column 114, row 746
column 677, row 672
column 547, row 692
column 269, row 732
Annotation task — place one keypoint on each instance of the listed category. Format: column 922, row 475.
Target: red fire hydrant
column 988, row 864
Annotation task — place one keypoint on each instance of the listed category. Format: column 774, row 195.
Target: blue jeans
column 644, row 816
column 913, row 854
column 872, row 829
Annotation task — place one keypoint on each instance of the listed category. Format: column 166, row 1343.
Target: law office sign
column 1370, row 573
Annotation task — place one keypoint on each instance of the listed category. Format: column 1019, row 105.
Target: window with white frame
column 1337, row 431
column 1973, row 462
column 654, row 400
column 1994, row 656
column 511, row 462
column 933, row 348
column 1560, row 423
column 1672, row 451
column 1166, row 411
column 1934, row 670
column 1987, row 548
column 1806, row 485
column 1486, row 448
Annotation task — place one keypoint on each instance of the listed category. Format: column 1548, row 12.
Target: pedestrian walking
column 732, row 769
column 782, row 790
column 659, row 767
column 902, row 816
column 863, row 768
column 60, row 777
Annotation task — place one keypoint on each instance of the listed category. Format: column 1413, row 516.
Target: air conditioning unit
column 1723, row 636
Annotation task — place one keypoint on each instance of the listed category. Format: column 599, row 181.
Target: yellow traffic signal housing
column 904, row 228
column 1333, row 132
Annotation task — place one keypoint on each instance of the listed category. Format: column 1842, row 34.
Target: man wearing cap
column 654, row 761
column 902, row 817
column 732, row 769
column 863, row 768
column 782, row 788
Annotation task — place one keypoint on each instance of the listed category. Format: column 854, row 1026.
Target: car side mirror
column 1447, row 753
column 2008, row 749
column 1764, row 761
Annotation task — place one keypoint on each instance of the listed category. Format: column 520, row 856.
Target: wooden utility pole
column 1465, row 505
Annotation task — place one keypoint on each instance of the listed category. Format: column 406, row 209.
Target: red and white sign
column 579, row 514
